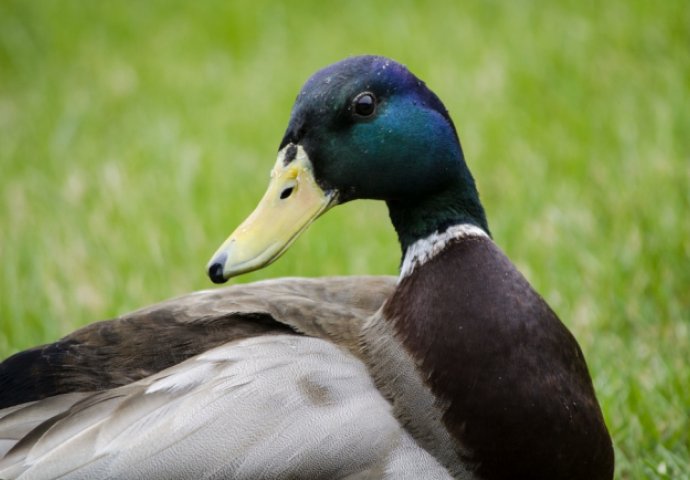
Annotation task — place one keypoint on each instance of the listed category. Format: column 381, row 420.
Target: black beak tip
column 215, row 270
column 215, row 273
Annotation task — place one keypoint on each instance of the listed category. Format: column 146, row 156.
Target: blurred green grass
column 135, row 135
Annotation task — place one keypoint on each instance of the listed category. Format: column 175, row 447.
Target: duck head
column 365, row 127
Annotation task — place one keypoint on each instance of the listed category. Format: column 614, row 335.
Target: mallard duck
column 456, row 369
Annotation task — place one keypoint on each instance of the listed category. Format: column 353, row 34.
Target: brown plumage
column 116, row 352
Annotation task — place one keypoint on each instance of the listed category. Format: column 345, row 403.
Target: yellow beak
column 291, row 203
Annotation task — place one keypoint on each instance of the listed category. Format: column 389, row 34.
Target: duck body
column 458, row 370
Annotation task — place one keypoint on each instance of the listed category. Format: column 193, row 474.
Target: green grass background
column 135, row 135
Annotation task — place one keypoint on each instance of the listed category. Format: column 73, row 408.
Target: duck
column 456, row 368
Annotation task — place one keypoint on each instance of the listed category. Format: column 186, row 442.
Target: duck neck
column 420, row 219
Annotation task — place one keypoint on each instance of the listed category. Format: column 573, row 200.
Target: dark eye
column 364, row 104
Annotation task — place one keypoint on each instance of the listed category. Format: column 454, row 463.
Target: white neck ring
column 426, row 248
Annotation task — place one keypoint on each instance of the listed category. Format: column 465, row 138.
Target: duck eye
column 364, row 104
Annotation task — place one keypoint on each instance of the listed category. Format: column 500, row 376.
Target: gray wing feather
column 275, row 406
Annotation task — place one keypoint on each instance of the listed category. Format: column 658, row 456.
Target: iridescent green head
column 364, row 127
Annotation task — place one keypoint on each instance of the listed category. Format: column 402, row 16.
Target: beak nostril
column 286, row 193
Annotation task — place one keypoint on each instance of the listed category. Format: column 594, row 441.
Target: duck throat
column 424, row 220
